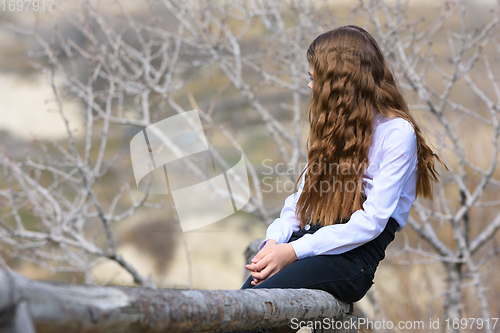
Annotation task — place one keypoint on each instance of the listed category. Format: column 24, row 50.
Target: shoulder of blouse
column 397, row 129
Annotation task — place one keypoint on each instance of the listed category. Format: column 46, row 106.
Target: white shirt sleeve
column 399, row 161
column 282, row 228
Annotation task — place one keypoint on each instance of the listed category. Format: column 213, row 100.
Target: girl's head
column 348, row 68
column 350, row 82
column 349, row 51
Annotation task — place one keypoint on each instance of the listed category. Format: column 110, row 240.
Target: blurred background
column 79, row 79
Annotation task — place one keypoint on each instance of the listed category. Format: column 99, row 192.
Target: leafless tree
column 135, row 65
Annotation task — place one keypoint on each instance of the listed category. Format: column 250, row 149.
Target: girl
column 367, row 162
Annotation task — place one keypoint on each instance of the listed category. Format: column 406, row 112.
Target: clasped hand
column 270, row 260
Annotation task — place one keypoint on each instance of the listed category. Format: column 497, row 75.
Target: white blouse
column 389, row 183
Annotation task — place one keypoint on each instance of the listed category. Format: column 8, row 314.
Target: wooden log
column 57, row 307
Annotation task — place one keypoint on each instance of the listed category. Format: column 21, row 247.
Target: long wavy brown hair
column 351, row 79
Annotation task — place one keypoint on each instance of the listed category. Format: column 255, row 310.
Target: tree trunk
column 453, row 305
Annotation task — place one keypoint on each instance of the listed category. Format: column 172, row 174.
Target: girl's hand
column 270, row 261
column 269, row 244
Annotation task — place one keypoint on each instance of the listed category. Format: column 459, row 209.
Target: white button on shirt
column 389, row 183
